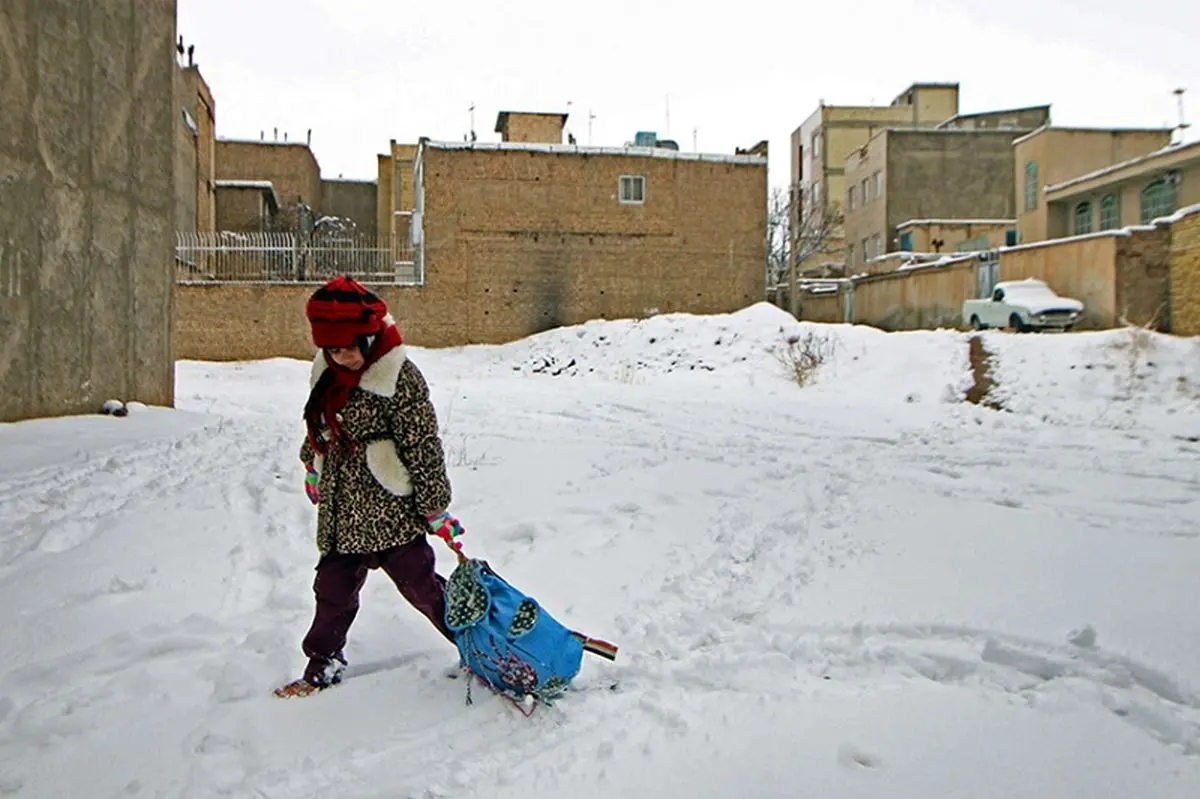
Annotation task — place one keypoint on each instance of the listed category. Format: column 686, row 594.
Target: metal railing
column 230, row 257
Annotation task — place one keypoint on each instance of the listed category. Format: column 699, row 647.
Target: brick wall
column 292, row 169
column 239, row 208
column 521, row 242
column 1143, row 278
column 524, row 241
column 1185, row 276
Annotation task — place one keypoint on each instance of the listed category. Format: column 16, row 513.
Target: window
column 850, row 200
column 906, row 243
column 1110, row 212
column 878, row 245
column 1031, row 186
column 632, row 189
column 816, row 195
column 1083, row 218
column 1010, row 238
column 1158, row 199
column 879, row 184
column 866, row 190
column 866, row 247
column 816, row 144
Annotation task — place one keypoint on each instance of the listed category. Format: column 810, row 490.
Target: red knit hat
column 341, row 311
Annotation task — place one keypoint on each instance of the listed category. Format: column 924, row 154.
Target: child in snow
column 375, row 468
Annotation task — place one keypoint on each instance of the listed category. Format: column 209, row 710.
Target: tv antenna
column 1183, row 126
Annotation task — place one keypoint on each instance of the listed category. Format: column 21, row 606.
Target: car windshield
column 1032, row 290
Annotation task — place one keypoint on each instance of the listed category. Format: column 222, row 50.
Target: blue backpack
column 509, row 641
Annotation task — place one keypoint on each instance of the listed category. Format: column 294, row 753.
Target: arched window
column 1031, row 188
column 1110, row 212
column 1083, row 218
column 1158, row 199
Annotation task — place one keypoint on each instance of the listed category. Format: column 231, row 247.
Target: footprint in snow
column 852, row 756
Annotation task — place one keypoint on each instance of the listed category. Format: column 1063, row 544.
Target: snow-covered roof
column 575, row 149
column 263, row 142
column 1169, row 150
column 245, row 184
column 947, row 222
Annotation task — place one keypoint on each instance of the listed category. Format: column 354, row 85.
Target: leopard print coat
column 377, row 493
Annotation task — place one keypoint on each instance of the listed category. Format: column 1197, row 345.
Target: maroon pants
column 340, row 578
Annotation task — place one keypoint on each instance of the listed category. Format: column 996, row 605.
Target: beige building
column 1132, row 192
column 820, row 145
column 520, row 237
column 530, row 127
column 195, row 151
column 955, row 235
column 1026, row 119
column 246, row 206
column 1051, row 155
column 290, row 167
column 904, row 174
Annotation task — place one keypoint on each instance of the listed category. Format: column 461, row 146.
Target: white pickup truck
column 1022, row 305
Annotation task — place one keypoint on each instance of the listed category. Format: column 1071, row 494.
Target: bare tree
column 799, row 229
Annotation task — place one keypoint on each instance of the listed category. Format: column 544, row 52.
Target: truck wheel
column 975, row 323
column 1015, row 323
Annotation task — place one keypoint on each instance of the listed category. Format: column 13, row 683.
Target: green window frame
column 1083, row 218
column 1158, row 199
column 1110, row 212
column 1031, row 185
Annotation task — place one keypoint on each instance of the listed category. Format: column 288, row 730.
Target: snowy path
column 819, row 593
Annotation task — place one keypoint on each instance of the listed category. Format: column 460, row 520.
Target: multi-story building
column 1132, row 192
column 902, row 174
column 195, row 151
column 819, row 148
column 1051, row 155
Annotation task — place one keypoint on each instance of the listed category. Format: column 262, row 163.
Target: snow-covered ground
column 861, row 588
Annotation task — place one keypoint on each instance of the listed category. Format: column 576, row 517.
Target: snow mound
column 743, row 349
column 1118, row 379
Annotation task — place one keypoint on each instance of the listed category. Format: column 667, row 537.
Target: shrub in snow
column 803, row 354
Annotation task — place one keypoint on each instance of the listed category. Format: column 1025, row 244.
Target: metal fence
column 229, row 257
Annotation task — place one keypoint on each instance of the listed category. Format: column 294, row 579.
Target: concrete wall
column 915, row 299
column 1012, row 119
column 1117, row 277
column 948, row 175
column 186, row 159
column 352, row 199
column 1083, row 268
column 87, row 211
column 953, row 233
column 1185, row 276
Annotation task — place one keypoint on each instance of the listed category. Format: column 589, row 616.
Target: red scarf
column 335, row 386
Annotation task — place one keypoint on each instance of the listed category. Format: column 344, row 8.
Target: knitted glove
column 445, row 526
column 310, row 485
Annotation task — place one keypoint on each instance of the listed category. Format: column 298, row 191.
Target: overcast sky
column 362, row 72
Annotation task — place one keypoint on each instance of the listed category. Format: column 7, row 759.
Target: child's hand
column 445, row 526
column 311, row 478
